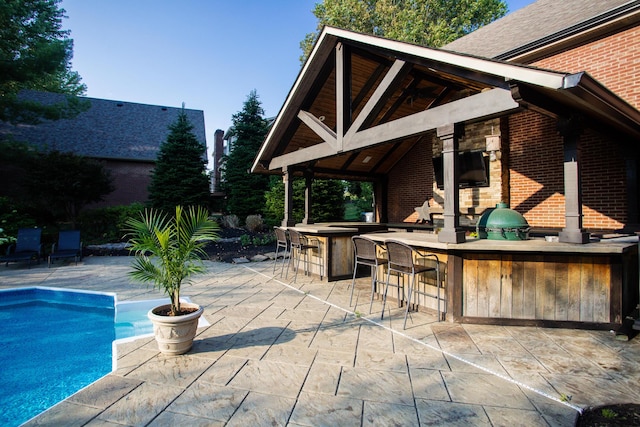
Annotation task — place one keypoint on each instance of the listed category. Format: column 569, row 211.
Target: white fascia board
column 527, row 74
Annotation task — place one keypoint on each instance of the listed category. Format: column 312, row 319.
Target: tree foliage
column 180, row 177
column 431, row 23
column 51, row 185
column 64, row 183
column 245, row 191
column 35, row 53
column 327, row 200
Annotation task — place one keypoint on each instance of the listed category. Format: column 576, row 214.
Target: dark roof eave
column 600, row 101
column 617, row 17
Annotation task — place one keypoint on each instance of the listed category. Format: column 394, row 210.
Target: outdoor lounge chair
column 26, row 248
column 68, row 246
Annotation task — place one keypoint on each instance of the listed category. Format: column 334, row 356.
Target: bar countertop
column 429, row 240
column 322, row 229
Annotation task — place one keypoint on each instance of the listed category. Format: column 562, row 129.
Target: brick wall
column 410, row 183
column 613, row 61
column 537, row 189
column 532, row 159
column 529, row 175
column 130, row 179
column 537, row 175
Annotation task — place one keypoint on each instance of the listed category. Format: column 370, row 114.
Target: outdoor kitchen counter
column 336, row 249
column 534, row 282
column 430, row 241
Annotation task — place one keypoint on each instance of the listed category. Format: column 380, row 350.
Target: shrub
column 230, row 221
column 254, row 223
column 245, row 240
column 12, row 217
column 106, row 225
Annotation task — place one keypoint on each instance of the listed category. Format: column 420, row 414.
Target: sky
column 207, row 54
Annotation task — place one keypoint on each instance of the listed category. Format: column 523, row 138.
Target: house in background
column 124, row 136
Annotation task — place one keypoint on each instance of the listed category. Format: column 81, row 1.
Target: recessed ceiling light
column 366, row 159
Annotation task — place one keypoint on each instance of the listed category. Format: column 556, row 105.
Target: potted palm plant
column 168, row 251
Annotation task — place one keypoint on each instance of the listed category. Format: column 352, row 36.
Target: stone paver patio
column 279, row 353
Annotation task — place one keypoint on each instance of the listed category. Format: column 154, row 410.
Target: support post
column 450, row 135
column 631, row 167
column 288, row 220
column 570, row 129
column 308, row 198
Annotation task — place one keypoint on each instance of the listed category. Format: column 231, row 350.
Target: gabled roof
column 545, row 23
column 361, row 102
column 107, row 130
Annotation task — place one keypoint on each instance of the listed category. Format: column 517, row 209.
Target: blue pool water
column 52, row 344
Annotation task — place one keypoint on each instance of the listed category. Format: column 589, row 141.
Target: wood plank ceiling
column 420, row 88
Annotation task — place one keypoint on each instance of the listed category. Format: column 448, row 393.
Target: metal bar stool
column 401, row 260
column 366, row 253
column 282, row 244
column 301, row 245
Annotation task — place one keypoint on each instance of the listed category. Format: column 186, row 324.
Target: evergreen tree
column 179, row 177
column 328, row 200
column 246, row 191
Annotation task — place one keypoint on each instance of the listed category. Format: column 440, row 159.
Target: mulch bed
column 226, row 249
column 611, row 416
column 229, row 246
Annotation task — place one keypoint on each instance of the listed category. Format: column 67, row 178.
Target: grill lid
column 501, row 220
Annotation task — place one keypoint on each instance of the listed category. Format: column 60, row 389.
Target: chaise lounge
column 26, row 248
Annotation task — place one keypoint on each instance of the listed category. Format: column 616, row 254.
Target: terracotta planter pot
column 174, row 334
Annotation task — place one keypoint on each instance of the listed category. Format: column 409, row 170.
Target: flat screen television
column 473, row 169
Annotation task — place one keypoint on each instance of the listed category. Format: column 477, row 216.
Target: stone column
column 288, row 220
column 308, row 198
column 450, row 134
column 570, row 129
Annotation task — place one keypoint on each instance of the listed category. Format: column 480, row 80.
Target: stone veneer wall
column 411, row 181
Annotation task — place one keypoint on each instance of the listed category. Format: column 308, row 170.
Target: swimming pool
column 52, row 343
column 55, row 342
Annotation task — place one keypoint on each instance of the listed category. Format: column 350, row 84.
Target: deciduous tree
column 35, row 53
column 431, row 23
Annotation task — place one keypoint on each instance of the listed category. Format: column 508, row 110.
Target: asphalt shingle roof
column 108, row 130
column 531, row 23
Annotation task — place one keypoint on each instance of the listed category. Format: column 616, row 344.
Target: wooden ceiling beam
column 314, row 152
column 480, row 106
column 388, row 85
column 322, row 130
